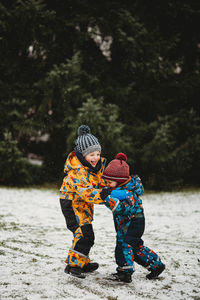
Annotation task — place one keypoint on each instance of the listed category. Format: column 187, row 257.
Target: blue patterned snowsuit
column 129, row 222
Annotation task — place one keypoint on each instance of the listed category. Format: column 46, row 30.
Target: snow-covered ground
column 35, row 242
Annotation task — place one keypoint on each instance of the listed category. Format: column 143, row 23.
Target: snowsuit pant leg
column 142, row 254
column 123, row 251
column 69, row 215
column 83, row 240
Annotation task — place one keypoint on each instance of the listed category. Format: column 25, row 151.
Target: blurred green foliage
column 15, row 170
column 171, row 155
column 128, row 70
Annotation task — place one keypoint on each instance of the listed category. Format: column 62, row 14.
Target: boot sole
column 77, row 276
column 67, row 271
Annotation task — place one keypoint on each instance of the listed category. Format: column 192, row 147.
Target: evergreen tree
column 60, row 59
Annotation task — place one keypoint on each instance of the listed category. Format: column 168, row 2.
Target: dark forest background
column 128, row 69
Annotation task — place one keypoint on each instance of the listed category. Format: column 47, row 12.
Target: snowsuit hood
column 72, row 162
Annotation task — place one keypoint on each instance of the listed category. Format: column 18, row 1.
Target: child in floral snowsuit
column 129, row 221
column 80, row 190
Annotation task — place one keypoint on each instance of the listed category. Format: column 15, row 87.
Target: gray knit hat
column 86, row 142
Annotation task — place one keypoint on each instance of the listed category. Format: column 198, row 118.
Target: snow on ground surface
column 34, row 243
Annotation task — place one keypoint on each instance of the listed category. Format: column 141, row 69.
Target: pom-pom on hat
column 86, row 142
column 117, row 170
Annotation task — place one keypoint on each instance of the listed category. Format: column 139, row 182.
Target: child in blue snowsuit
column 129, row 220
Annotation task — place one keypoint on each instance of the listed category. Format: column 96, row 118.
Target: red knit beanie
column 117, row 170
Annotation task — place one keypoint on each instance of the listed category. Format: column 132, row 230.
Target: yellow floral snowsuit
column 80, row 190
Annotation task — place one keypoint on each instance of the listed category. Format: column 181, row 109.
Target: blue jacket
column 124, row 201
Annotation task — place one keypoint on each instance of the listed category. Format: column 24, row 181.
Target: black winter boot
column 74, row 271
column 154, row 273
column 122, row 276
column 90, row 267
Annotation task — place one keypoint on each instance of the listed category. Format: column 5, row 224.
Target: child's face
column 111, row 183
column 93, row 158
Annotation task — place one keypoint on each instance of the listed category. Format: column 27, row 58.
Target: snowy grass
column 34, row 244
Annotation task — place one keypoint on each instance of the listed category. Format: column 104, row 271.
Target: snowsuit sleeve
column 120, row 207
column 121, row 201
column 78, row 184
column 115, row 205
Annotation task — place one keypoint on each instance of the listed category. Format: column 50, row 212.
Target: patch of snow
column 35, row 243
